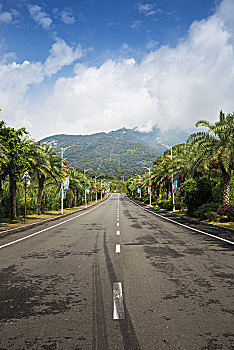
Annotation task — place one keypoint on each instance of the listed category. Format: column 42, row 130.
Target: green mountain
column 118, row 153
column 170, row 137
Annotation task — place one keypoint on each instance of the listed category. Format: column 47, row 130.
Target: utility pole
column 96, row 186
column 85, row 171
column 172, row 189
column 139, row 187
column 62, row 151
column 149, row 188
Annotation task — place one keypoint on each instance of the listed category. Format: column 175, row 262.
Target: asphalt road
column 116, row 277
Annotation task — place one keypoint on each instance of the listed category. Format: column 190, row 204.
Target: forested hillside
column 109, row 154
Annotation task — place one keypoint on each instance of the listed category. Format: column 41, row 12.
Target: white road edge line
column 118, row 310
column 178, row 223
column 118, row 233
column 48, row 228
column 117, row 248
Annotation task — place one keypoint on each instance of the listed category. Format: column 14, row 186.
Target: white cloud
column 61, row 55
column 8, row 16
column 39, row 16
column 5, row 17
column 67, row 17
column 171, row 87
column 136, row 24
column 17, row 79
column 148, row 9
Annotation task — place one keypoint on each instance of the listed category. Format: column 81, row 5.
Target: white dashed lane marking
column 118, row 312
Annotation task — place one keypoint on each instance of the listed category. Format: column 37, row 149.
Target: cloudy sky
column 84, row 66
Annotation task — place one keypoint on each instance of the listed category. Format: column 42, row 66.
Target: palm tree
column 74, row 184
column 217, row 145
column 45, row 161
column 185, row 155
column 162, row 173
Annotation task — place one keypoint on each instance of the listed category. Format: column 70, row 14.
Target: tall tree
column 217, row 145
column 45, row 162
column 17, row 145
column 74, row 184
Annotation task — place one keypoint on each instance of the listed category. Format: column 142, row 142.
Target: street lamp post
column 149, row 184
column 62, row 151
column 96, row 186
column 109, row 186
column 85, row 171
column 172, row 190
column 139, row 187
column 26, row 183
column 101, row 190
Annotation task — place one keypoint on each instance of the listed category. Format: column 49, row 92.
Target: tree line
column 203, row 168
column 20, row 153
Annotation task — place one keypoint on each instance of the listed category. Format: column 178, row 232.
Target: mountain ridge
column 122, row 152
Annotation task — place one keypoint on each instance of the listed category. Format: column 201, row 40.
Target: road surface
column 115, row 276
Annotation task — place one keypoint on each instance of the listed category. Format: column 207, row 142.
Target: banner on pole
column 149, row 190
column 175, row 186
column 66, row 183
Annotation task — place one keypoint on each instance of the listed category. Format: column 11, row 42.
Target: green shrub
column 217, row 192
column 165, row 204
column 205, row 208
column 196, row 192
column 178, row 205
column 212, row 216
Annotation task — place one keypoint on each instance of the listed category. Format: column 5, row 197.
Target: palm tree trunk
column 75, row 196
column 13, row 188
column 168, row 190
column 157, row 192
column 41, row 181
column 71, row 200
column 226, row 191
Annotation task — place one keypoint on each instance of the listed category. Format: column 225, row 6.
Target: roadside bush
column 227, row 210
column 165, row 204
column 212, row 216
column 205, row 208
column 217, row 192
column 178, row 205
column 196, row 192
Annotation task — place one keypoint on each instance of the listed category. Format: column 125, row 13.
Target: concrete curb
column 185, row 217
column 25, row 227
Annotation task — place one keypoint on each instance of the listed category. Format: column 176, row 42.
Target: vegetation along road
column 116, row 276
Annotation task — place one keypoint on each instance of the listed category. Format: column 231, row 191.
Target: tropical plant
column 17, row 146
column 74, row 184
column 162, row 173
column 217, row 147
column 46, row 163
column 196, row 192
column 227, row 210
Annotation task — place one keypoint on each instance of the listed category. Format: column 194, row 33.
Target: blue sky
column 96, row 65
column 102, row 27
